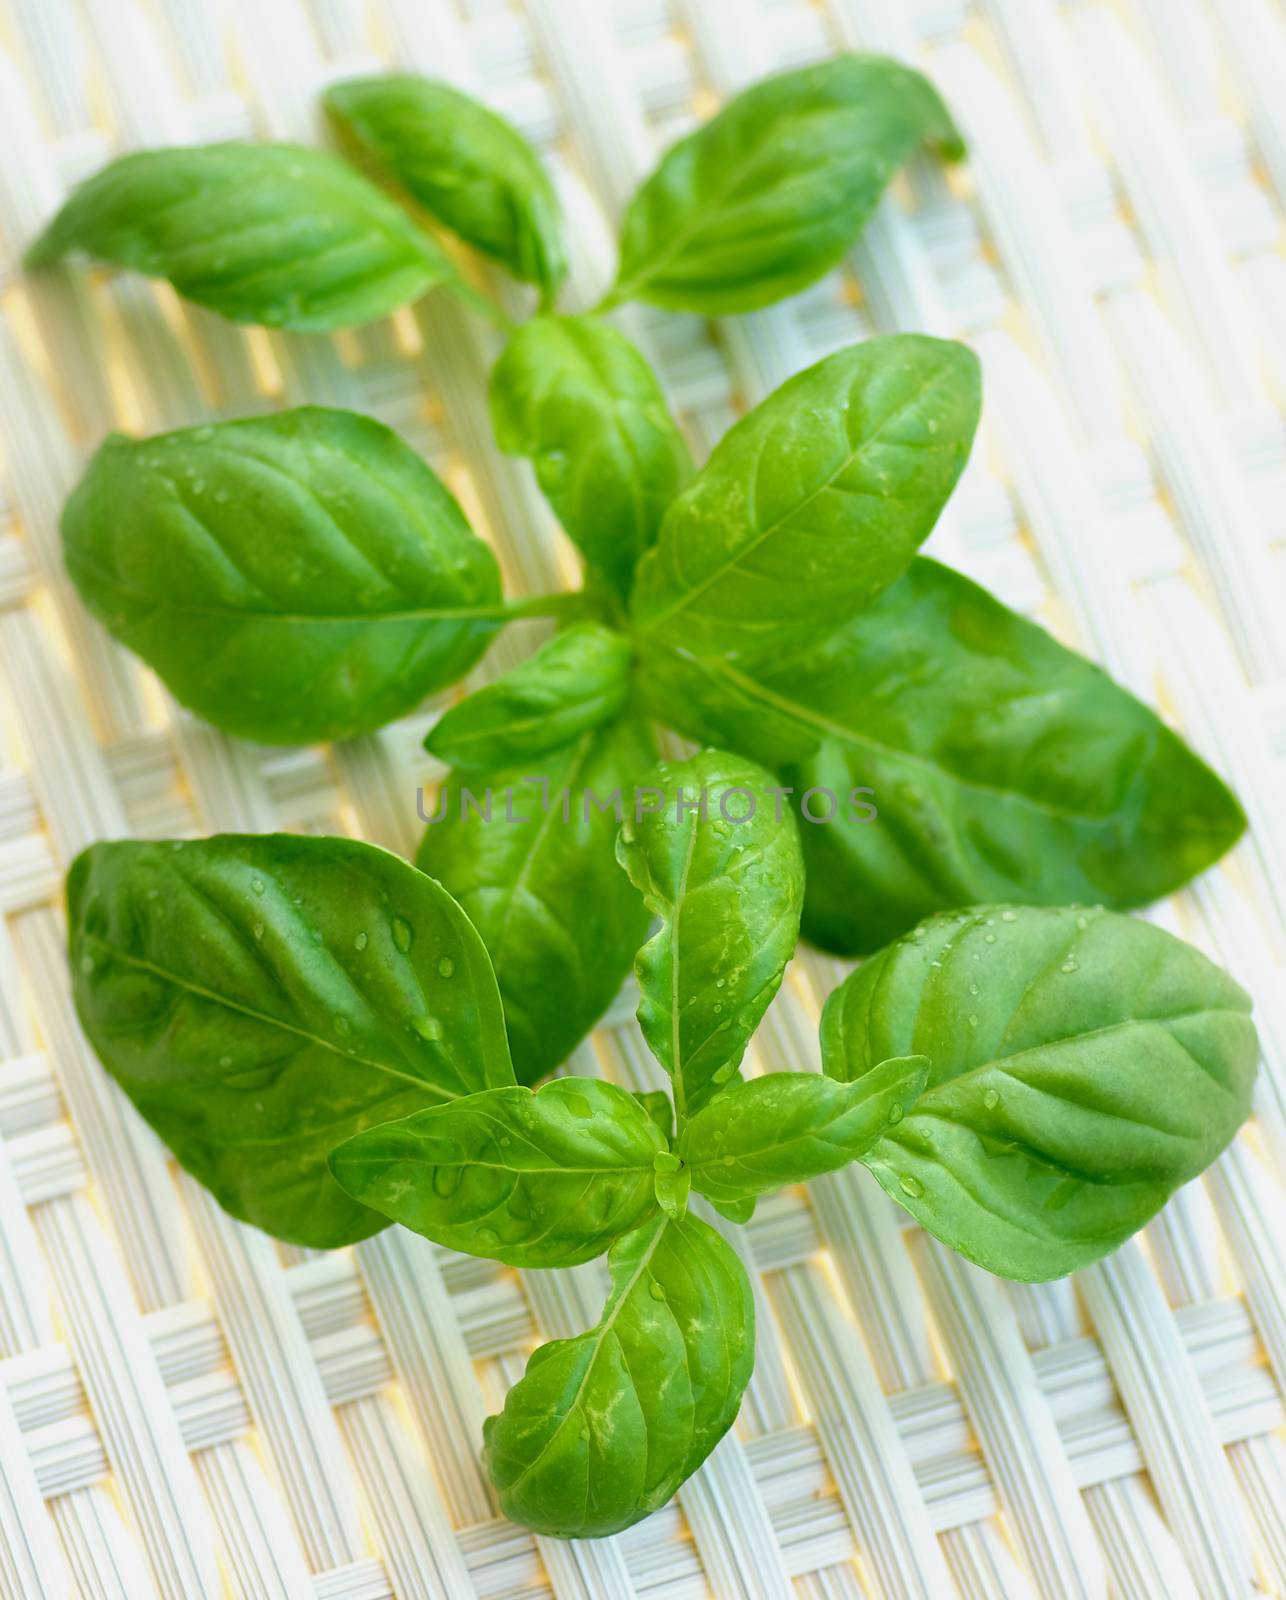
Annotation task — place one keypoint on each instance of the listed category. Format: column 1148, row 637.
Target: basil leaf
column 534, row 1180
column 465, row 165
column 673, row 1183
column 812, row 503
column 271, row 233
column 292, row 577
column 602, row 1429
column 261, row 998
column 768, row 196
column 580, row 400
column 658, row 1107
column 554, row 910
column 574, row 683
column 1003, row 765
column 723, row 870
column 787, row 1127
column 1083, row 1067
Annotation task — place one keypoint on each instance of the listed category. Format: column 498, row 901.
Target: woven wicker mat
column 187, row 1410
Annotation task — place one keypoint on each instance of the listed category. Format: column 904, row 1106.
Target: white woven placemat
column 187, row 1410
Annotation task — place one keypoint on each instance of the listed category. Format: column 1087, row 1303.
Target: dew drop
column 428, row 1028
column 1082, row 923
column 724, row 1073
column 446, row 1180
column 896, row 1113
column 656, row 1290
column 1009, row 916
column 488, row 1238
column 257, row 885
column 717, row 1007
column 257, row 930
column 911, row 1186
column 360, row 941
column 990, row 938
column 973, row 1019
column 1069, row 966
column 343, row 1026
column 446, row 967
column 720, row 983
column 402, row 934
column 991, row 1099
column 973, row 988
column 225, row 1061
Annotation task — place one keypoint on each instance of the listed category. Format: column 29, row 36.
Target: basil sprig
column 331, row 1039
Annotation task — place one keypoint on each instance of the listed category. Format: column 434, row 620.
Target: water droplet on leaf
column 402, row 934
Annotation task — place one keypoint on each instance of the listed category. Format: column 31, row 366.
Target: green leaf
column 292, row 577
column 270, row 233
column 465, row 165
column 555, row 911
column 721, row 867
column 261, row 998
column 673, row 1183
column 1083, row 1067
column 575, row 396
column 657, row 1105
column 787, row 1127
column 812, row 503
column 602, row 1429
column 534, row 1180
column 766, row 198
column 574, row 683
column 1003, row 765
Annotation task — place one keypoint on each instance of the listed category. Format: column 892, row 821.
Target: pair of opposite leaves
column 757, row 204
column 314, row 1028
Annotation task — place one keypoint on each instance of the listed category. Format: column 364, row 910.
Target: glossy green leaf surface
column 722, row 868
column 578, row 398
column 261, row 998
column 291, row 577
column 769, row 194
column 1083, row 1066
column 574, row 683
column 543, row 1179
column 555, row 911
column 812, row 503
column 1003, row 765
column 462, row 162
column 787, row 1127
column 602, row 1429
column 272, row 233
